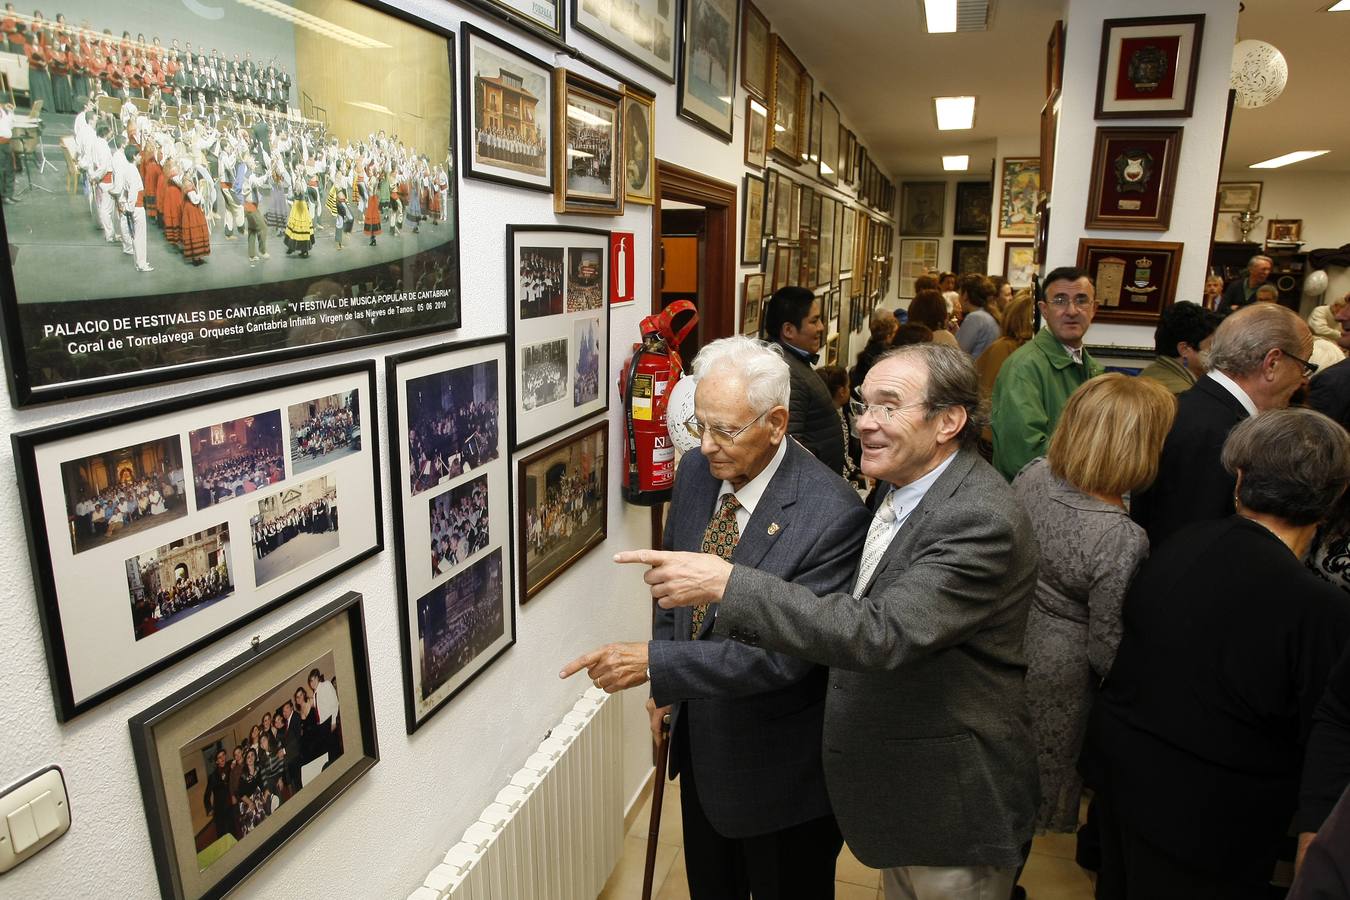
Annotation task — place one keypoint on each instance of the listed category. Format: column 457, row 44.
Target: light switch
column 45, row 815
column 36, row 812
column 23, row 831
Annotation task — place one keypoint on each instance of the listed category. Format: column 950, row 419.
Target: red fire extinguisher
column 644, row 384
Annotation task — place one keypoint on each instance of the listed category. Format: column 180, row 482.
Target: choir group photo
column 459, row 524
column 452, row 424
column 238, row 457
column 293, row 527
column 460, row 619
column 539, row 285
column 584, row 268
column 543, row 373
column 324, row 430
column 591, row 131
column 172, row 582
column 123, row 492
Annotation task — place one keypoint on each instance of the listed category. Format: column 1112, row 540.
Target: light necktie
column 719, row 538
column 878, row 539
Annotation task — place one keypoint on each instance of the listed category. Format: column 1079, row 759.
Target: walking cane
column 658, row 792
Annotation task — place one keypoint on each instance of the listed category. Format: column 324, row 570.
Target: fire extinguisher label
column 642, row 397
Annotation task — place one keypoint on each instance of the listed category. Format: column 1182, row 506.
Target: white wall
column 395, row 824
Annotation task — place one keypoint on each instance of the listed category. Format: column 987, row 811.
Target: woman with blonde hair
column 1105, row 446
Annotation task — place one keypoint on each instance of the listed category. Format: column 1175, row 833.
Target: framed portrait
column 542, row 16
column 755, row 52
column 1019, row 264
column 1021, row 188
column 1133, row 178
column 1135, row 280
column 1049, row 134
column 708, row 65
column 1239, row 196
column 1148, row 67
column 559, row 328
column 917, row 257
column 587, row 152
column 158, row 529
column 639, row 146
column 756, row 133
column 1286, row 230
column 970, row 257
column 642, row 30
column 974, row 205
column 1054, row 60
column 510, row 95
column 922, row 207
column 450, row 471
column 752, row 220
column 789, row 104
column 303, row 699
column 562, row 507
column 752, row 303
column 829, row 141
column 81, row 318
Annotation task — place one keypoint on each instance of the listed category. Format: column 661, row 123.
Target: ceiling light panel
column 954, row 113
column 1288, row 159
column 956, row 163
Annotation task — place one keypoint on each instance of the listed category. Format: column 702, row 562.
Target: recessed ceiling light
column 954, row 113
column 956, row 163
column 1341, row 6
column 940, row 16
column 1288, row 159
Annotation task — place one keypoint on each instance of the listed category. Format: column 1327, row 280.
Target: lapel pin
column 773, row 528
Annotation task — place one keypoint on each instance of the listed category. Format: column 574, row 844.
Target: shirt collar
column 905, row 499
column 750, row 493
column 1235, row 389
column 1075, row 353
column 812, row 358
column 1056, row 353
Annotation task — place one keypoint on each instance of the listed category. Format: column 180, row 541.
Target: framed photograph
column 1288, row 230
column 239, row 761
column 1133, row 178
column 970, row 257
column 752, row 303
column 1054, row 60
column 770, row 266
column 829, row 221
column 917, row 257
column 81, row 318
column 782, row 207
column 974, row 205
column 1049, row 134
column 752, row 221
column 156, row 530
column 848, row 222
column 1148, row 67
column 708, row 65
column 639, row 147
column 787, row 262
column 789, row 105
column 642, row 30
column 829, row 141
column 562, row 507
column 1021, row 187
column 510, row 98
column 1135, row 280
column 558, row 326
column 451, row 473
column 587, row 152
column 543, row 16
column 922, row 207
column 1019, row 264
column 1239, row 196
column 755, row 52
column 756, row 133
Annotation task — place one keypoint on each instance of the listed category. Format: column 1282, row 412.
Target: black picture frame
column 715, row 112
column 136, row 336
column 292, row 650
column 974, row 207
column 588, row 534
column 49, row 460
column 625, row 43
column 970, row 257
column 417, row 491
column 471, row 38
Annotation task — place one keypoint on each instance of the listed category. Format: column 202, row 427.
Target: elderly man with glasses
column 746, row 722
column 1036, row 381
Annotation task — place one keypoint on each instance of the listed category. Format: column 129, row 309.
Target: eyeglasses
column 880, row 412
column 1064, row 301
column 1309, row 368
column 724, row 437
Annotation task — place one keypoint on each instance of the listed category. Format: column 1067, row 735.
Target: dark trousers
column 796, row 863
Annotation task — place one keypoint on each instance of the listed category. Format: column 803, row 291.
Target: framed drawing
column 752, row 303
column 1284, row 230
column 156, row 530
column 755, row 52
column 1133, row 178
column 642, row 30
column 543, row 16
column 295, row 712
column 639, row 146
column 970, row 257
column 974, row 203
column 562, row 507
column 450, row 472
column 923, row 207
column 1239, row 196
column 829, row 141
column 1019, row 264
column 559, row 328
column 1135, row 280
column 1148, row 67
column 1021, row 187
column 708, row 65
column 587, row 152
column 752, row 221
column 756, row 133
column 1054, row 60
column 917, row 257
column 510, row 95
column 80, row 318
column 788, row 104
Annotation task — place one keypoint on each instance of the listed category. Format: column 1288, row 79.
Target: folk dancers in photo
column 253, row 186
column 300, row 225
column 342, row 216
column 196, row 236
column 371, row 199
column 129, row 193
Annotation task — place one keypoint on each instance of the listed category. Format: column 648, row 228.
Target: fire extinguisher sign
column 642, row 397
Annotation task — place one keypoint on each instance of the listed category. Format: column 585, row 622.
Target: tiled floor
column 1051, row 873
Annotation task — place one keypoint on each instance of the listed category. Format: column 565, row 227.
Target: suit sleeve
column 1326, row 770
column 1020, row 423
column 663, row 620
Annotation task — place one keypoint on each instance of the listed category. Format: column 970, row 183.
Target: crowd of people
column 107, row 512
column 543, row 373
column 541, row 283
column 159, row 600
column 449, row 433
column 238, row 474
column 471, row 619
column 459, row 525
column 330, row 429
column 509, row 147
column 566, row 508
column 271, row 533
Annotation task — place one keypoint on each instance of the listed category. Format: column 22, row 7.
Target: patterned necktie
column 719, row 537
column 878, row 539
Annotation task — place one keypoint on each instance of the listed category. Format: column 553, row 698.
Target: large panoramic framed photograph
column 1019, row 194
column 639, row 146
column 563, row 505
column 450, row 470
column 234, row 764
column 1148, row 67
column 756, row 52
column 559, row 328
column 587, row 147
column 789, row 104
column 156, row 530
column 508, row 113
column 201, row 279
column 1135, row 280
column 642, row 30
column 1134, row 173
column 923, row 207
column 708, row 66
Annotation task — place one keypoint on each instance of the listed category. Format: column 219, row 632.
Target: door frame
column 717, row 290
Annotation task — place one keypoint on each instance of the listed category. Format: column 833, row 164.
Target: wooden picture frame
column 1135, row 280
column 708, row 53
column 1133, row 178
column 639, row 150
column 1049, row 135
column 923, row 207
column 1054, row 60
column 756, row 133
column 526, row 14
column 1149, row 66
column 1019, row 192
column 643, row 30
column 829, row 141
column 752, row 220
column 585, row 181
column 1019, row 263
column 1284, row 230
column 752, row 302
column 1239, row 196
column 756, row 52
column 974, row 207
column 788, row 104
column 499, row 79
column 578, row 465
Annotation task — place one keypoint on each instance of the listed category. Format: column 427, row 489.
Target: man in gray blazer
column 928, row 750
column 746, row 722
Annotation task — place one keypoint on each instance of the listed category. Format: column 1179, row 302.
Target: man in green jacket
column 1036, row 381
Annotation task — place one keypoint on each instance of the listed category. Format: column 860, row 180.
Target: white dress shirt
column 751, row 492
column 904, row 500
column 1235, row 389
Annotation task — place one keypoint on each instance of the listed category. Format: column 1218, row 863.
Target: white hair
column 760, row 367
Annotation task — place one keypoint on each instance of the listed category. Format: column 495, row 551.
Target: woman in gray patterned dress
column 1106, row 445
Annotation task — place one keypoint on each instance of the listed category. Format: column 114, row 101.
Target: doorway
column 694, row 258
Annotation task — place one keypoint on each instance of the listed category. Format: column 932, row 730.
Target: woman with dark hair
column 881, row 327
column 1196, row 742
column 929, row 309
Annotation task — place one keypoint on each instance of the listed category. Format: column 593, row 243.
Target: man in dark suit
column 1257, row 362
column 216, row 798
column 792, row 320
column 746, row 723
column 928, row 750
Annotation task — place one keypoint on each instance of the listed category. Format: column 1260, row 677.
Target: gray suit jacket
column 755, row 717
column 928, row 750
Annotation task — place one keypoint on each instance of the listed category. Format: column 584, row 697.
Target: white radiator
column 556, row 831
